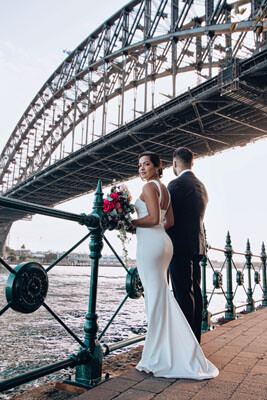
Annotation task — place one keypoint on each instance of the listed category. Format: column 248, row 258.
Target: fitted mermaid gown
column 171, row 349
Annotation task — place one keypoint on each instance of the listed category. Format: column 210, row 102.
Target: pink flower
column 120, row 210
column 125, row 188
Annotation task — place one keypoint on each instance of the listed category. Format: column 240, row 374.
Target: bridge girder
column 138, row 45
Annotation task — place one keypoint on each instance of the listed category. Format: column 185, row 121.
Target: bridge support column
column 4, row 231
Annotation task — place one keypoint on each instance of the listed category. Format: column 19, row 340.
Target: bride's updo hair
column 154, row 158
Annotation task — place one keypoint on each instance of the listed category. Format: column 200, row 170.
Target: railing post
column 205, row 326
column 251, row 306
column 89, row 373
column 230, row 314
column 264, row 280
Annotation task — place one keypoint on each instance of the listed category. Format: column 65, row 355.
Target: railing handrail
column 233, row 251
column 32, row 208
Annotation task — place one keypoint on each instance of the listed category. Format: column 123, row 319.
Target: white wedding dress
column 171, row 349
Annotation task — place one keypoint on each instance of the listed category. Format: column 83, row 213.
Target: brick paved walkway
column 238, row 349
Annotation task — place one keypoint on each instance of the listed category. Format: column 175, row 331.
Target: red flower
column 115, row 197
column 108, row 206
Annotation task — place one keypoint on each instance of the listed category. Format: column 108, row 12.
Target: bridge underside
column 226, row 111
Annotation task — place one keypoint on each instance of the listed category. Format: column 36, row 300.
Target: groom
column 189, row 199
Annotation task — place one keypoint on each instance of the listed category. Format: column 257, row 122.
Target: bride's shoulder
column 150, row 187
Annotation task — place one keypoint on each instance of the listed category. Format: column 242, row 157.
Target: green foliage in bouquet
column 118, row 209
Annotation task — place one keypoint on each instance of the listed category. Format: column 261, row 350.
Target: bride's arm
column 169, row 218
column 151, row 197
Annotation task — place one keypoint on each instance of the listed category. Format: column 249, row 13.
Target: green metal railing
column 27, row 286
column 228, row 290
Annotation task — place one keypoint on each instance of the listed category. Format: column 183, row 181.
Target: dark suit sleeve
column 176, row 200
column 176, row 194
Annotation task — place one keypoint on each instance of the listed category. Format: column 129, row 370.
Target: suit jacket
column 189, row 200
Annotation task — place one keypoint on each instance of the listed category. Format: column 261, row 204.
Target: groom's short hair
column 184, row 155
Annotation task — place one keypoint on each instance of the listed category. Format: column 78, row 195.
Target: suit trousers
column 185, row 278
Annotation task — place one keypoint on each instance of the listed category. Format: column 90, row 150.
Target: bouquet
column 118, row 210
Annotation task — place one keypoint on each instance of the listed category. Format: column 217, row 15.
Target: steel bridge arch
column 106, row 72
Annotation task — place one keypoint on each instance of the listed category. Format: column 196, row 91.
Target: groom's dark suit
column 189, row 199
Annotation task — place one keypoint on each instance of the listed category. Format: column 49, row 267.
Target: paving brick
column 257, row 378
column 209, row 349
column 262, row 361
column 225, row 386
column 188, row 385
column 220, row 362
column 225, row 354
column 251, row 354
column 244, row 361
column 153, row 385
column 135, row 375
column 234, row 348
column 245, row 396
column 133, row 394
column 240, row 368
column 259, row 369
column 252, row 388
column 231, row 376
column 98, row 393
column 171, row 394
column 118, row 384
column 205, row 394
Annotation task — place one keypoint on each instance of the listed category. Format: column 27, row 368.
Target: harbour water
column 29, row 341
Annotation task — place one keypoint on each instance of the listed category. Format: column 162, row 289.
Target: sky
column 33, row 35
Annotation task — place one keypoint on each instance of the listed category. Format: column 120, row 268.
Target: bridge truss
column 112, row 75
column 149, row 49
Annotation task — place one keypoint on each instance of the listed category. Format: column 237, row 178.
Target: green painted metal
column 32, row 208
column 217, row 280
column 134, row 286
column 230, row 313
column 206, row 322
column 264, row 280
column 37, row 373
column 123, row 343
column 257, row 277
column 251, row 306
column 239, row 278
column 89, row 372
column 26, row 289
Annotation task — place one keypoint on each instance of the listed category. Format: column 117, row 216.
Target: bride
column 171, row 349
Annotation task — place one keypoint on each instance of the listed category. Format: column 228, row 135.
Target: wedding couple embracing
column 170, row 236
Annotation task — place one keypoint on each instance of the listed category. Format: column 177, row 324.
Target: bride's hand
column 131, row 228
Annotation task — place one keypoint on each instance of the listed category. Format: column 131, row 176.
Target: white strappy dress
column 171, row 349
